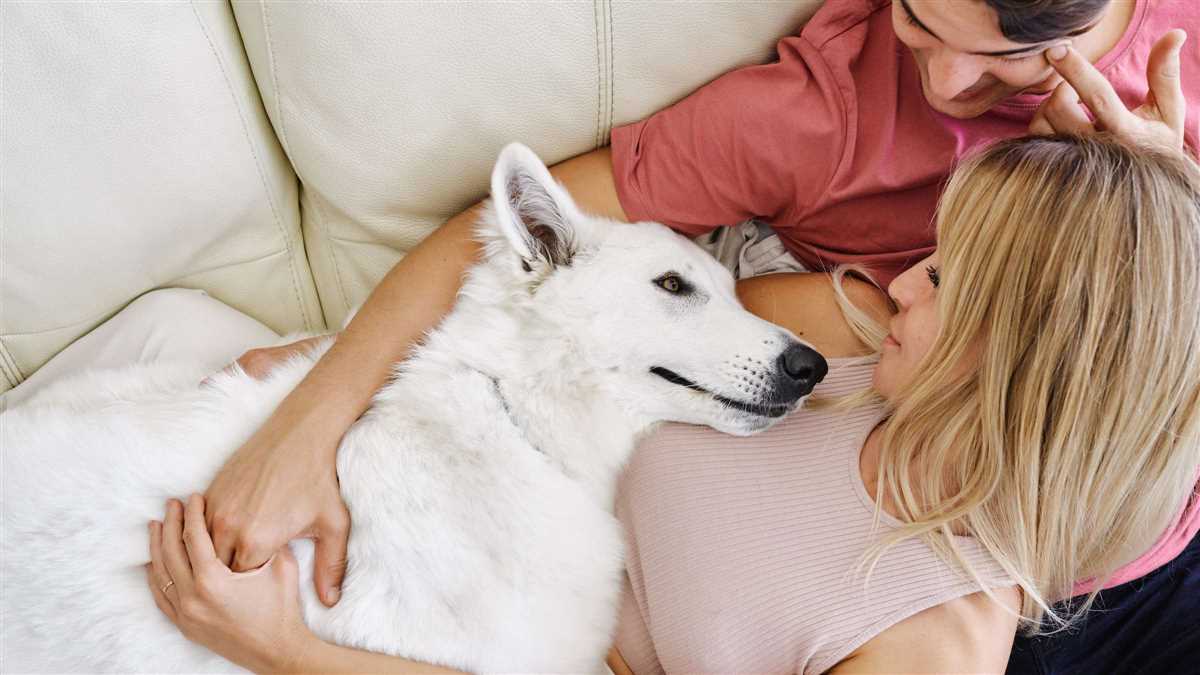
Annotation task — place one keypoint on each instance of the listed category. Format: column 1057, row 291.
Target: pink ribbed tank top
column 743, row 553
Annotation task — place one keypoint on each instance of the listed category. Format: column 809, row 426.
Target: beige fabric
column 392, row 112
column 136, row 155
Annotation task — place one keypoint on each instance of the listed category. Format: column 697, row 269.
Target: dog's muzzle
column 800, row 369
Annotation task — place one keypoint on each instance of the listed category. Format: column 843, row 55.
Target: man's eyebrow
column 1003, row 52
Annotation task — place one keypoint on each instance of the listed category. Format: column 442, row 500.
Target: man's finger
column 1063, row 112
column 1039, row 126
column 199, row 544
column 1093, row 88
column 173, row 552
column 1163, row 77
column 329, row 567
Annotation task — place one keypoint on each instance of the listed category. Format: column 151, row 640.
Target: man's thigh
column 172, row 324
column 1148, row 625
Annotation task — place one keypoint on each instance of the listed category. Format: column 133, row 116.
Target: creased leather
column 136, row 156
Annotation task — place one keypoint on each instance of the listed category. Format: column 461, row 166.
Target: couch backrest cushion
column 392, row 113
column 136, row 155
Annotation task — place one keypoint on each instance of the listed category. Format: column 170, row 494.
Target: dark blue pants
column 1149, row 625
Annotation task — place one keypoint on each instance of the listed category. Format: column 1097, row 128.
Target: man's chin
column 974, row 107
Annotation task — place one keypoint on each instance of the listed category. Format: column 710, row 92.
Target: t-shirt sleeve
column 758, row 142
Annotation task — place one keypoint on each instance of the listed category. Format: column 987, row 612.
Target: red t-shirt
column 834, row 143
column 835, row 146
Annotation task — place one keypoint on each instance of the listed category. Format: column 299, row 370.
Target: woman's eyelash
column 932, row 273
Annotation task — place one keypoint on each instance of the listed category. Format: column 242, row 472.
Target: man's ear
column 534, row 213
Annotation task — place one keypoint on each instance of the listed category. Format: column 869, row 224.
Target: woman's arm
column 971, row 634
column 282, row 484
column 251, row 618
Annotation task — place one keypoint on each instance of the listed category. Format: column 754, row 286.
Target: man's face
column 966, row 64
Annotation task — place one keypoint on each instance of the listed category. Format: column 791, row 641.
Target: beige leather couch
column 281, row 156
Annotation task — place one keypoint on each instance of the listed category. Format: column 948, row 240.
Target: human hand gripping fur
column 277, row 488
column 1159, row 120
column 252, row 618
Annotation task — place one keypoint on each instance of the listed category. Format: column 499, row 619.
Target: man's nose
column 951, row 72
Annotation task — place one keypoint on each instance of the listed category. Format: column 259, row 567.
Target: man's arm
column 282, row 483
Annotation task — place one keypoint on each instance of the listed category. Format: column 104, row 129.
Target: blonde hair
column 1070, row 280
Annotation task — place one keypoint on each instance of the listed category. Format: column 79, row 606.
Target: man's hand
column 268, row 494
column 1159, row 120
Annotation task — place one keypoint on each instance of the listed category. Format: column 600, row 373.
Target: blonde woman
column 1033, row 421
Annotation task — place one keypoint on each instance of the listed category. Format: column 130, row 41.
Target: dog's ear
column 535, row 214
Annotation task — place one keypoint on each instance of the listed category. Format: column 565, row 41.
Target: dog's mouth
column 762, row 409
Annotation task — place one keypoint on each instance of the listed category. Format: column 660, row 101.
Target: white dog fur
column 479, row 482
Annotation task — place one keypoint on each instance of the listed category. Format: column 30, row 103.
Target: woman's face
column 914, row 327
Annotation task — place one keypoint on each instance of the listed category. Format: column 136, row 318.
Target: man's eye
column 670, row 283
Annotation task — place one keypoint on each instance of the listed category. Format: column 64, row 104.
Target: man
column 841, row 145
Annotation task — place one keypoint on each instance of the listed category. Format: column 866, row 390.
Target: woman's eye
column 670, row 283
column 932, row 273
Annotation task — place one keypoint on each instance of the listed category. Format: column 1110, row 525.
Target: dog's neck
column 576, row 423
column 566, row 411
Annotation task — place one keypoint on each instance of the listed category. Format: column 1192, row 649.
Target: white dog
column 480, row 482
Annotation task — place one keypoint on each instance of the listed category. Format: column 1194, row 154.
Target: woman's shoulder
column 807, row 305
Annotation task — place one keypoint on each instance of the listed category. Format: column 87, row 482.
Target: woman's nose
column 902, row 288
column 951, row 72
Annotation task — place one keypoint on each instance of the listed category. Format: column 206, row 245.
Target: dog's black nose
column 804, row 366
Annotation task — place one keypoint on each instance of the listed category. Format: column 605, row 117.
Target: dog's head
column 645, row 307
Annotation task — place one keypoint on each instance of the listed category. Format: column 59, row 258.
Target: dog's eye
column 671, row 283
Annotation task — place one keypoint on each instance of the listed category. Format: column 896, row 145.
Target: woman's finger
column 161, row 600
column 200, row 551
column 160, row 577
column 1063, row 112
column 174, row 553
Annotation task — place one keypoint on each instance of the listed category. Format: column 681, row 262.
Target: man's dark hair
column 1033, row 21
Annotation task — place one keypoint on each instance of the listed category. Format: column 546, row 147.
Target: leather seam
column 100, row 317
column 320, row 214
column 258, row 165
column 235, row 263
column 329, row 252
column 612, row 86
column 599, row 74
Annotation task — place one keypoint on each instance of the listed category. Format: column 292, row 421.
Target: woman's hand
column 1159, row 120
column 252, row 618
column 281, row 485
